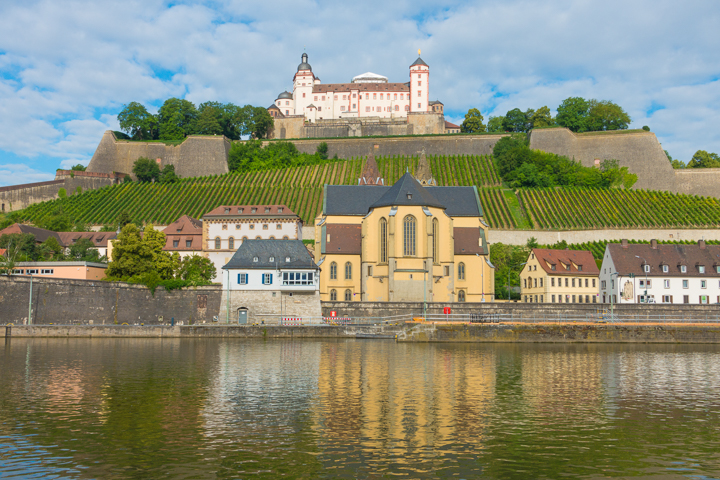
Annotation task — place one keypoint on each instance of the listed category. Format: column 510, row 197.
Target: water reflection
column 171, row 408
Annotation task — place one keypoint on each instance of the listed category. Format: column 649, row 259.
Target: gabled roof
column 40, row 233
column 406, row 192
column 451, row 125
column 185, row 225
column 278, row 250
column 247, row 211
column 692, row 256
column 98, row 239
column 566, row 261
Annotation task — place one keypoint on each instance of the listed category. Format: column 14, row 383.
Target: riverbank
column 409, row 332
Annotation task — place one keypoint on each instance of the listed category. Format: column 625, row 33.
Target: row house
column 559, row 276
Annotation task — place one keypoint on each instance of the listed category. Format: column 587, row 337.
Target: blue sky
column 68, row 66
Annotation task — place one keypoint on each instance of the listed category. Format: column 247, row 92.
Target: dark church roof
column 278, row 250
column 360, row 199
column 406, row 192
column 419, row 61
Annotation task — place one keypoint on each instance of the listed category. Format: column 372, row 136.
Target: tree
column 606, row 115
column 124, row 218
column 177, row 119
column 677, row 164
column 260, row 122
column 473, row 122
column 51, row 249
column 208, row 122
column 162, row 262
column 130, row 256
column 62, row 193
column 495, row 124
column 84, row 250
column 573, row 114
column 22, row 245
column 322, row 150
column 57, row 221
column 167, row 175
column 196, row 269
column 137, row 122
column 146, row 170
column 542, row 118
column 78, row 168
column 703, row 159
column 516, row 121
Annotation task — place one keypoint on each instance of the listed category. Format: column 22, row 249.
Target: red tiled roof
column 247, row 211
column 40, row 233
column 362, row 87
column 692, row 256
column 99, row 239
column 451, row 125
column 566, row 262
column 3, row 251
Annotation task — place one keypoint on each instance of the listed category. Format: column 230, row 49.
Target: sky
column 67, row 67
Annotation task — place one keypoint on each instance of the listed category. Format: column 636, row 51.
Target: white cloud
column 68, row 67
column 16, row 174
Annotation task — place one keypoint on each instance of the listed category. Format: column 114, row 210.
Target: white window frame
column 666, row 283
column 242, row 278
column 267, row 278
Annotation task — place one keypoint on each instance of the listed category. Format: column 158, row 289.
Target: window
column 419, row 84
column 381, row 96
column 667, row 299
column 344, row 97
column 587, row 298
column 265, row 227
column 369, row 270
column 333, row 271
column 579, row 267
column 593, row 283
column 354, row 106
column 285, row 237
column 665, row 268
column 383, row 240
column 535, row 283
column 188, row 243
column 573, row 282
column 666, row 283
column 176, row 243
column 717, row 268
column 685, row 284
column 224, row 227
column 419, row 106
column 701, row 268
column 252, row 226
column 244, row 238
column 367, row 109
column 461, row 271
column 586, row 283
column 566, row 282
column 217, row 243
column 267, row 278
column 242, row 278
column 348, row 295
column 683, row 268
column 231, row 243
column 686, row 298
column 271, row 259
column 435, row 232
column 580, row 299
column 342, row 108
column 320, row 110
column 348, row 271
column 574, row 299
column 703, row 283
column 397, row 108
column 333, row 295
column 461, row 295
column 446, row 270
column 646, row 268
column 237, row 227
column 541, row 282
column 303, row 94
column 704, row 299
column 552, row 267
column 298, row 278
column 524, row 282
column 603, row 284
column 255, row 259
column 367, row 96
column 47, row 271
column 315, row 98
column 278, row 226
column 374, row 96
column 553, row 299
column 409, row 236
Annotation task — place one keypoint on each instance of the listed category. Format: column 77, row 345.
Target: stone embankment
column 410, row 332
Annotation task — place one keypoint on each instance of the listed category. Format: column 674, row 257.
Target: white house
column 653, row 273
column 226, row 227
column 267, row 281
column 367, row 95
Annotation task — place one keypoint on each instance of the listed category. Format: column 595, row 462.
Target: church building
column 410, row 242
column 367, row 95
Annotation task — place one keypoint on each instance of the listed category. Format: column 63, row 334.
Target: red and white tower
column 419, row 85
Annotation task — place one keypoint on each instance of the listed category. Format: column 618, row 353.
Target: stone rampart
column 86, row 302
column 18, row 197
column 195, row 157
column 549, row 237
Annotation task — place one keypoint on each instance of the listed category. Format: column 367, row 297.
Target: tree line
column 177, row 118
column 575, row 113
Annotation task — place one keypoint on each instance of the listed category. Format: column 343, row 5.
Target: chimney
column 624, row 243
column 653, row 244
column 701, row 244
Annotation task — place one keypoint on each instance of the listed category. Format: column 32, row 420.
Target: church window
column 435, row 233
column 461, row 271
column 217, row 243
column 333, row 271
column 461, row 295
column 333, row 295
column 231, row 242
column 409, row 224
column 348, row 271
column 383, row 241
column 348, row 295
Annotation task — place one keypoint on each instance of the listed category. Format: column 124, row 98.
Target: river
column 234, row 408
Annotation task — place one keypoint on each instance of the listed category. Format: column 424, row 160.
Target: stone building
column 404, row 243
column 268, row 280
column 654, row 273
column 226, row 227
column 559, row 276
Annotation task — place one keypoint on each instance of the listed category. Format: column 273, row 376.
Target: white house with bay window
column 268, row 281
column 662, row 274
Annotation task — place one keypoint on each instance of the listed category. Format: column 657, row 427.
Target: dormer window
column 267, row 209
column 409, row 196
column 646, row 268
column 665, row 269
column 253, row 210
column 227, row 210
column 552, row 267
column 241, row 210
column 683, row 268
column 255, row 259
column 272, row 259
column 280, row 210
column 287, row 260
column 579, row 267
column 701, row 268
column 717, row 268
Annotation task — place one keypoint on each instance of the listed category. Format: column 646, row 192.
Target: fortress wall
column 21, row 196
column 425, row 123
column 548, row 237
column 640, row 152
column 698, row 181
column 196, row 156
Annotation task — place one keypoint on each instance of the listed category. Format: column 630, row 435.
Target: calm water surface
column 206, row 408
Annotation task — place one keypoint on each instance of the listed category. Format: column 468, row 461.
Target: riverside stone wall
column 84, row 302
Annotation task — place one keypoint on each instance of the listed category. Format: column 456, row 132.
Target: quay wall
column 418, row 333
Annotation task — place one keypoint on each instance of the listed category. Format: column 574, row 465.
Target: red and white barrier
column 291, row 321
column 336, row 320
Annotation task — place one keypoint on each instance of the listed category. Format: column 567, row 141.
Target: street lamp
column 508, row 282
column 644, row 270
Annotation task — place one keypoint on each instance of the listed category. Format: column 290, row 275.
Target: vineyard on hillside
column 300, row 188
column 584, row 208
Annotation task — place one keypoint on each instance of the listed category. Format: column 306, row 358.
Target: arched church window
column 348, row 271
column 461, row 271
column 435, row 240
column 348, row 295
column 217, row 243
column 461, row 295
column 333, row 295
column 333, row 271
column 383, row 240
column 409, row 229
column 231, row 243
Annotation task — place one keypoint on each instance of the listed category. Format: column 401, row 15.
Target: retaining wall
column 549, row 237
column 18, row 197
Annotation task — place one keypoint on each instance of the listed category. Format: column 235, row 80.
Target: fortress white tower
column 419, row 85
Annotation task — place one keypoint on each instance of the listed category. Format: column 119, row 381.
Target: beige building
column 559, row 276
column 411, row 242
column 70, row 270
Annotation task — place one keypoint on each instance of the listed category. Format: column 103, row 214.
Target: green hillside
column 300, row 188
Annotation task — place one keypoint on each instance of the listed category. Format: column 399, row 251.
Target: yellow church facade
column 405, row 243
